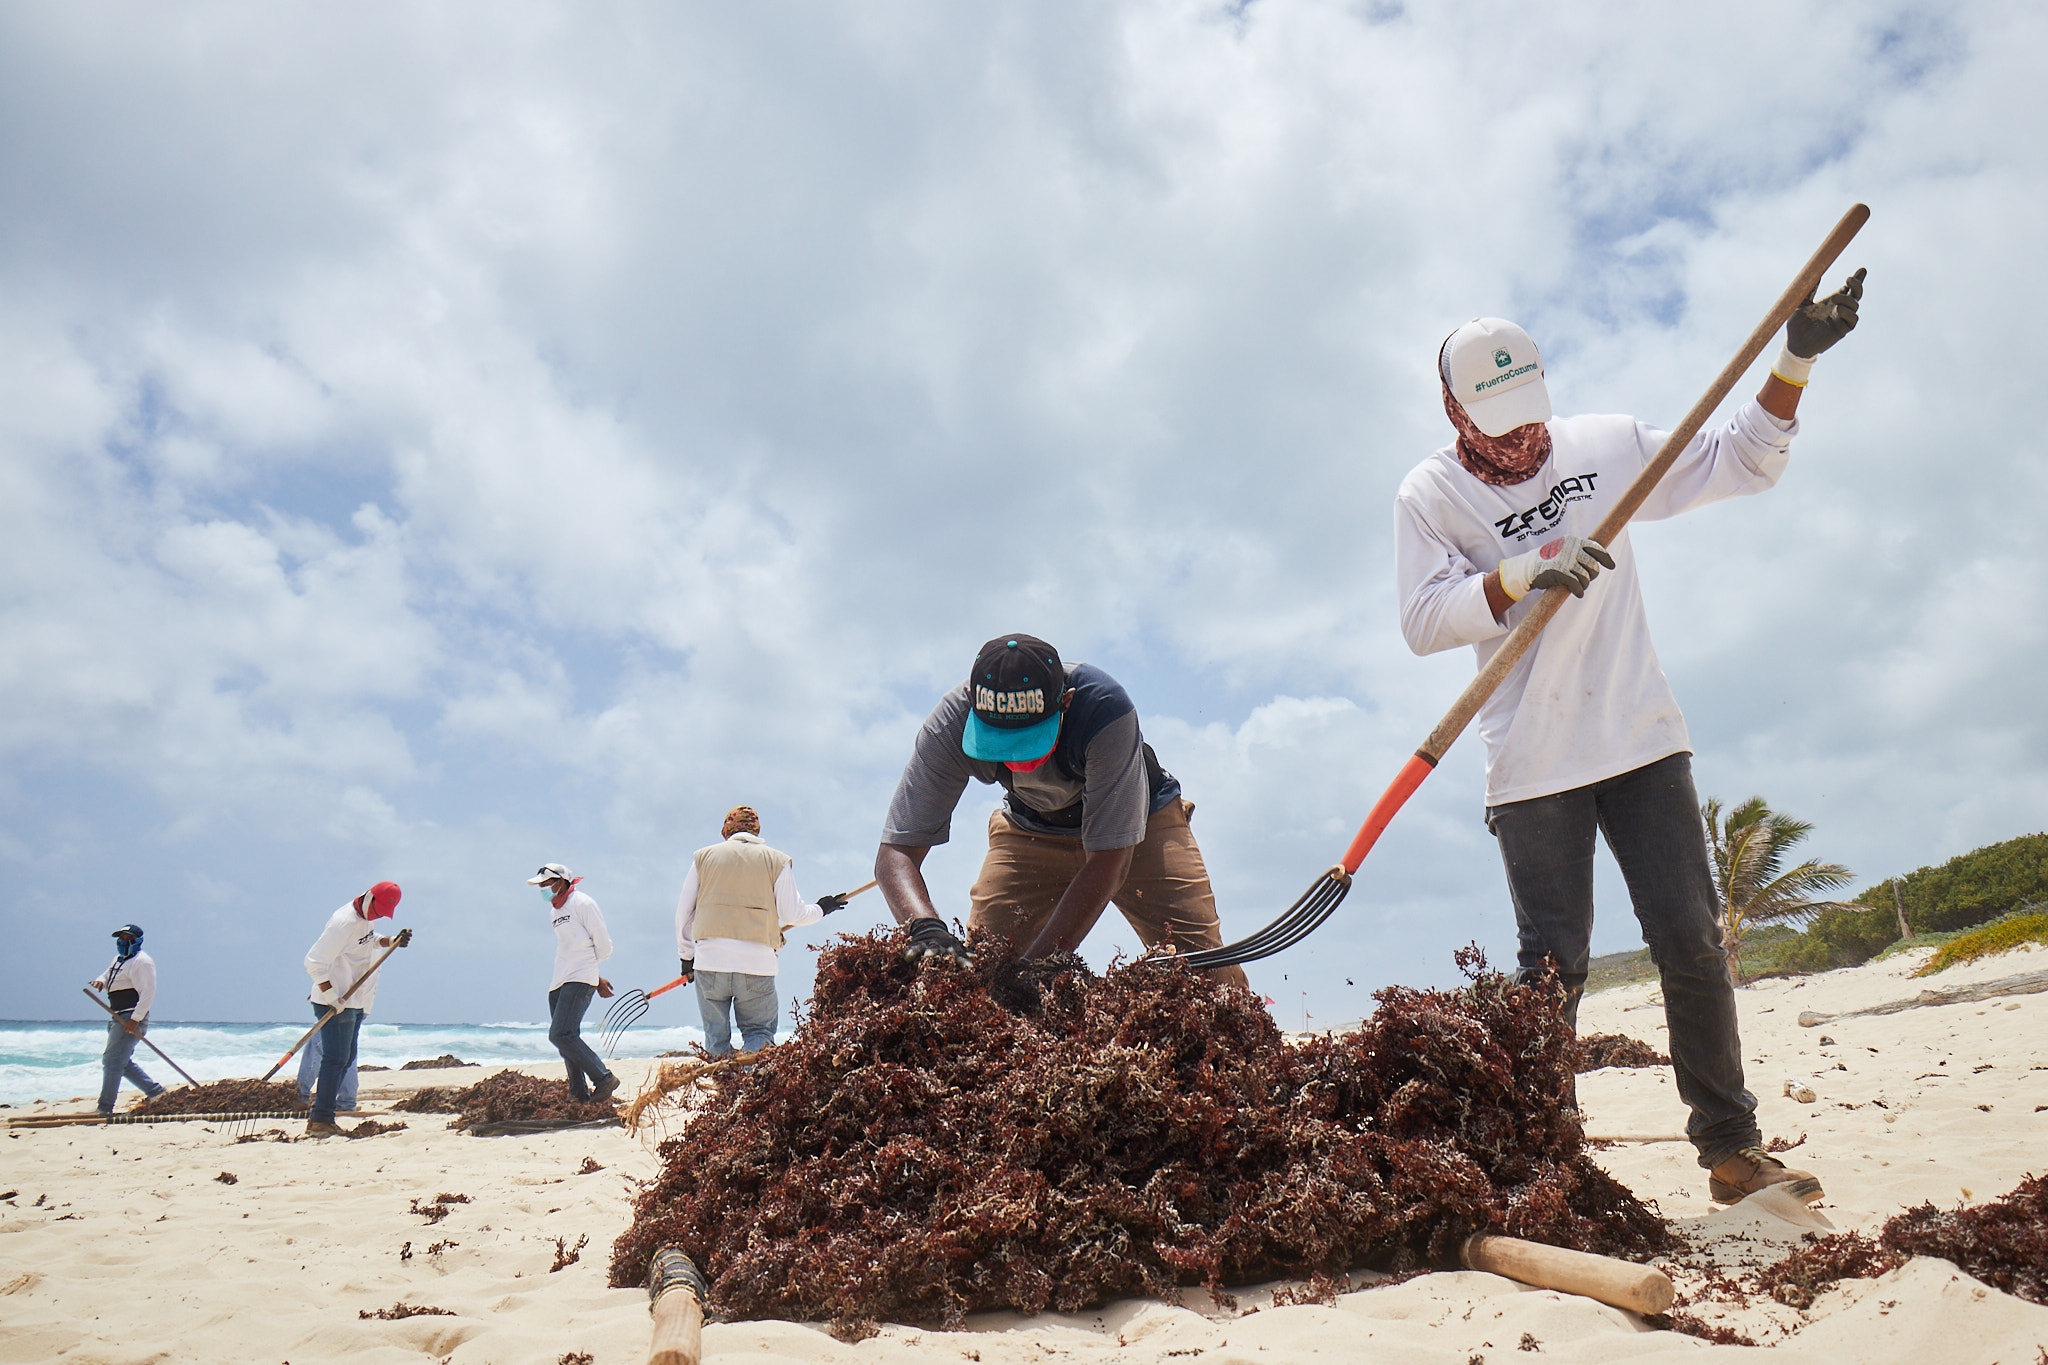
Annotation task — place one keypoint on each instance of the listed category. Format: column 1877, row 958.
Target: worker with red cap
column 338, row 962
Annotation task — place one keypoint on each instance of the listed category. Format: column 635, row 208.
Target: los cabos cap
column 1492, row 368
column 1015, row 693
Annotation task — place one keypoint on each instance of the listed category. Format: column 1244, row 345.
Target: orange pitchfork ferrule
column 1396, row 795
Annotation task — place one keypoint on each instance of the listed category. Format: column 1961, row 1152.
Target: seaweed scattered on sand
column 1808, row 1270
column 398, row 1311
column 2003, row 1241
column 1617, row 1049
column 443, row 1062
column 566, row 1255
column 437, row 1208
column 227, row 1097
column 371, row 1128
column 507, row 1096
column 916, row 1152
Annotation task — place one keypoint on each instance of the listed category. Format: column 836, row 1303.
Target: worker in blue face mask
column 130, row 984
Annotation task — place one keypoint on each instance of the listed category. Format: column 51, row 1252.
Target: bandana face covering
column 1497, row 459
column 560, row 898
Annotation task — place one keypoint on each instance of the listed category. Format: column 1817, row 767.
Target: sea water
column 61, row 1060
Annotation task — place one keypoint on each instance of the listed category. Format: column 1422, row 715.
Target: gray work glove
column 930, row 938
column 1567, row 562
column 1813, row 327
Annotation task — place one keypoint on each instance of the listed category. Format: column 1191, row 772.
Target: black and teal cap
column 1014, row 693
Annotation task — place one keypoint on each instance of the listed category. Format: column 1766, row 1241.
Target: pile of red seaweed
column 508, row 1097
column 916, row 1151
column 227, row 1097
column 1597, row 1050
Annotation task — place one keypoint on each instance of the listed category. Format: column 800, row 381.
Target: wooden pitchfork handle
column 665, row 989
column 1524, row 634
column 143, row 1036
column 335, row 1008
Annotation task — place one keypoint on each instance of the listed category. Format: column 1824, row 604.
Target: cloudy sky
column 438, row 439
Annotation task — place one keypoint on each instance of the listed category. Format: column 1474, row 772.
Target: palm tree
column 1751, row 880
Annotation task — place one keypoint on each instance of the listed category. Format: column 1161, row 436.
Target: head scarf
column 561, row 898
column 740, row 818
column 1497, row 459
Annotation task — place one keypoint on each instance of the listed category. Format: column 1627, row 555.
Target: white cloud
column 432, row 446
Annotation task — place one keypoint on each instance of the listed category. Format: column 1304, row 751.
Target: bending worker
column 338, row 960
column 130, row 984
column 1584, row 732
column 581, row 943
column 1089, row 817
column 738, row 897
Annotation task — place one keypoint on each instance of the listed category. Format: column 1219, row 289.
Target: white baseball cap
column 550, row 872
column 1496, row 374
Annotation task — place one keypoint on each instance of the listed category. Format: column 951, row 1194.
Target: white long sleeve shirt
column 345, row 950
column 1589, row 700
column 581, row 940
column 737, row 954
column 136, row 974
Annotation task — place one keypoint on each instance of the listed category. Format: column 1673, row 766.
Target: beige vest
column 736, row 891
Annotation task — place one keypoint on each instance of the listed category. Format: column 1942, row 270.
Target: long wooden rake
column 1323, row 897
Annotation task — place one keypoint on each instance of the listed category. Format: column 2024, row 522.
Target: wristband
column 1791, row 368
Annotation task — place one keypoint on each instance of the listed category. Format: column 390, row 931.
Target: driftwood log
column 2028, row 983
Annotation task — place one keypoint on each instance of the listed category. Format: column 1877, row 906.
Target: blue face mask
column 127, row 947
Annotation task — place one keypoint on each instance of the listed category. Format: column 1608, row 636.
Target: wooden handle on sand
column 676, row 1291
column 678, row 1330
column 1620, row 1284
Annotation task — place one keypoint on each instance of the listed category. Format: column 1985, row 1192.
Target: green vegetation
column 2026, row 925
column 1751, row 880
column 1942, row 906
column 1966, row 891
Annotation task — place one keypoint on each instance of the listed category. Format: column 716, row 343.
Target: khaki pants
column 1166, row 895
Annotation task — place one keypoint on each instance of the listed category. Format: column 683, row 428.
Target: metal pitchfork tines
column 630, row 1008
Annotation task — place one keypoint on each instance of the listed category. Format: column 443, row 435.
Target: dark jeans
column 1651, row 820
column 337, row 1055
column 119, row 1061
column 566, row 1006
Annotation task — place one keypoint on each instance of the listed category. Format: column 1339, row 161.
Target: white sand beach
column 123, row 1244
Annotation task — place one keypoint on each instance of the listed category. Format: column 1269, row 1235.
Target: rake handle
column 332, row 1010
column 143, row 1036
column 1525, row 632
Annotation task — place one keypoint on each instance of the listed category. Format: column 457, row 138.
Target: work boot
column 315, row 1128
column 1753, row 1169
column 606, row 1088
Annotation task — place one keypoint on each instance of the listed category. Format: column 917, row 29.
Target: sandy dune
column 121, row 1245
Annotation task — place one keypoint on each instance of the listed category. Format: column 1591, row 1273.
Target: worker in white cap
column 581, row 944
column 1584, row 733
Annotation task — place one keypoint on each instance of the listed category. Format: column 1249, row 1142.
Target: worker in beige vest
column 739, row 896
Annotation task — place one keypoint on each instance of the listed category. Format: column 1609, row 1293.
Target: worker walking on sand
column 339, row 959
column 581, row 943
column 1089, row 817
column 130, row 984
column 738, row 897
column 1585, row 733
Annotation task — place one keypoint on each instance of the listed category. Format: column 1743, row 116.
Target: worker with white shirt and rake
column 581, row 944
column 1584, row 734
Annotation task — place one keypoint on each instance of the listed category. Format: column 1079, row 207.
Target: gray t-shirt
column 1101, row 785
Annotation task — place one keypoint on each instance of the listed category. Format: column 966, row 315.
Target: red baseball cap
column 379, row 901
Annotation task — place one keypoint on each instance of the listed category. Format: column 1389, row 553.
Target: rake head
column 1299, row 920
column 625, row 1012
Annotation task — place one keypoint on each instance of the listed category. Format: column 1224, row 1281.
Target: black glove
column 931, row 938
column 1814, row 327
column 689, row 972
column 830, row 903
column 404, row 937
